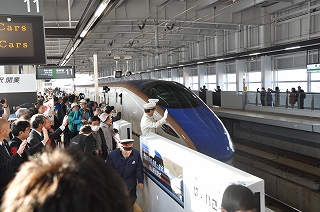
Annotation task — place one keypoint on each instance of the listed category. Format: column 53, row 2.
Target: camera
column 2, row 101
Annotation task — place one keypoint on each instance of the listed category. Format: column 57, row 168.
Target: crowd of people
column 90, row 172
column 78, row 124
column 294, row 97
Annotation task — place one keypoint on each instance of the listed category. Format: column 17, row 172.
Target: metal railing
column 284, row 100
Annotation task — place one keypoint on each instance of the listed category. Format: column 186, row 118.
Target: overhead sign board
column 22, row 40
column 55, row 72
column 17, row 83
column 313, row 68
column 21, row 7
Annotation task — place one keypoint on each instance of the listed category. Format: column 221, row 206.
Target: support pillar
column 266, row 72
column 202, row 70
column 95, row 71
column 175, row 75
column 220, row 71
column 240, row 70
column 186, row 76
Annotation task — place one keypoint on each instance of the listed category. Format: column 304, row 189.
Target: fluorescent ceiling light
column 76, row 44
column 294, row 47
column 252, row 54
column 169, row 67
column 83, row 33
column 181, row 65
column 200, row 62
column 219, row 59
column 100, row 9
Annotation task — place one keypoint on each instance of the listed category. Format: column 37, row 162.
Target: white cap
column 154, row 100
column 126, row 141
column 82, row 101
column 74, row 104
column 103, row 117
column 149, row 105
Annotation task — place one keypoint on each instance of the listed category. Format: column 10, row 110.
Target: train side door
column 119, row 100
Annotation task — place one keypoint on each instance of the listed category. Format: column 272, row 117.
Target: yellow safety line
column 136, row 208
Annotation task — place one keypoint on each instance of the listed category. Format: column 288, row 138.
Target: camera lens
column 2, row 101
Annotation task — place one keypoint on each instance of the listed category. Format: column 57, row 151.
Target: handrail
column 268, row 99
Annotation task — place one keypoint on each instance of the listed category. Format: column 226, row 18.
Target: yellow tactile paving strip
column 136, row 208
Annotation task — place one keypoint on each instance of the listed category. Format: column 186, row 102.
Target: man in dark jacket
column 39, row 121
column 127, row 162
column 8, row 162
column 301, row 97
column 20, row 130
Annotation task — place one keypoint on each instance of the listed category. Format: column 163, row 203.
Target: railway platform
column 287, row 178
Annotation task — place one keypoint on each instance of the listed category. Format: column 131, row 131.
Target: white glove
column 165, row 115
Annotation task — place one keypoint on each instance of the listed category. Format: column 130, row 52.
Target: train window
column 170, row 95
column 169, row 130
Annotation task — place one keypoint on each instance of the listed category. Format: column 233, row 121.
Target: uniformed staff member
column 148, row 123
column 127, row 162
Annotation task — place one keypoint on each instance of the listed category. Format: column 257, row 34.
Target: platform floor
column 137, row 206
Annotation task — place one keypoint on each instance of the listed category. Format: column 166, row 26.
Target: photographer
column 6, row 109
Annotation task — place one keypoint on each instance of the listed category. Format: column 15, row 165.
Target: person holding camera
column 6, row 109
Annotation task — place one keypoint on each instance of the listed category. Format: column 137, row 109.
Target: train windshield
column 170, row 95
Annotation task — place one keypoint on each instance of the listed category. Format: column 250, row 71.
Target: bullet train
column 190, row 121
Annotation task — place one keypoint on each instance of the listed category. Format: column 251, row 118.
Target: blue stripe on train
column 205, row 131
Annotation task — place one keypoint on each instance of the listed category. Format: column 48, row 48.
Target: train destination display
column 22, row 40
column 55, row 72
column 16, row 40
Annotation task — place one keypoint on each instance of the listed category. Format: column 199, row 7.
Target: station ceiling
column 129, row 29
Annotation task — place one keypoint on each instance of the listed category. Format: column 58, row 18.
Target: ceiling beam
column 60, row 33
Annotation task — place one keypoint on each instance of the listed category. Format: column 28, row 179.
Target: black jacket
column 28, row 151
column 84, row 143
column 8, row 165
column 35, row 138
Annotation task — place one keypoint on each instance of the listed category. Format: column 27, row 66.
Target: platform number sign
column 55, row 72
column 21, row 7
column 32, row 1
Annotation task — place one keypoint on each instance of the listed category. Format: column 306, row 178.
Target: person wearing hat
column 153, row 100
column 148, row 123
column 71, row 126
column 127, row 162
column 82, row 115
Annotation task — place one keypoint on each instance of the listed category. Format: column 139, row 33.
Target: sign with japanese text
column 17, row 83
column 182, row 180
column 55, row 72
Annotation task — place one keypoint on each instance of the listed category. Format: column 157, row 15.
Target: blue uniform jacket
column 129, row 169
